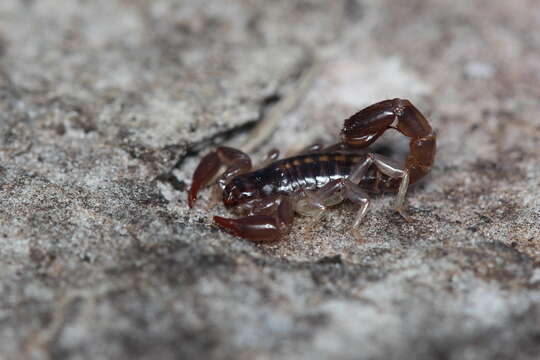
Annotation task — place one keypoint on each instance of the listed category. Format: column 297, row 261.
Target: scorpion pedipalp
column 259, row 227
column 237, row 162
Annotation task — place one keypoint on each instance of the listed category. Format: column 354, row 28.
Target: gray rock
column 107, row 106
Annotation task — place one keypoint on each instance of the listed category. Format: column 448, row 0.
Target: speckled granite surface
column 106, row 107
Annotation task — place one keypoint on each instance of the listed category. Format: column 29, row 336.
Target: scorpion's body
column 293, row 176
column 309, row 183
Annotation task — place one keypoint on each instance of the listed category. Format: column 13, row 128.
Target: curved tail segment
column 367, row 125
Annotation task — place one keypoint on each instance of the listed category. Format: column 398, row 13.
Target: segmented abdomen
column 313, row 170
column 289, row 176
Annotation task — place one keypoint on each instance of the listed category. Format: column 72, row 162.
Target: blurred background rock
column 106, row 107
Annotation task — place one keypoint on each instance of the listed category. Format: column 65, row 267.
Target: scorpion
column 319, row 177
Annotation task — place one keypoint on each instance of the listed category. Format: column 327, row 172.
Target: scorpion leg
column 313, row 148
column 392, row 169
column 315, row 202
column 340, row 147
column 333, row 193
column 236, row 161
column 271, row 156
column 345, row 148
column 355, row 194
column 260, row 227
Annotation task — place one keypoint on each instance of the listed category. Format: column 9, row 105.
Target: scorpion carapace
column 310, row 182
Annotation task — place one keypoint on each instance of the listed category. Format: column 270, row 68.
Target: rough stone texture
column 106, row 107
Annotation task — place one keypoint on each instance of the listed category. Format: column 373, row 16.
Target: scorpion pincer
column 308, row 183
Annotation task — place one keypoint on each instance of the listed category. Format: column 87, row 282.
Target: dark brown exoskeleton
column 310, row 182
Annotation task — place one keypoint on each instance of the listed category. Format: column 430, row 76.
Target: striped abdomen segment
column 313, row 171
column 289, row 176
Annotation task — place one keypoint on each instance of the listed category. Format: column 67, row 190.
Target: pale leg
column 271, row 156
column 312, row 149
column 392, row 169
column 358, row 196
column 331, row 194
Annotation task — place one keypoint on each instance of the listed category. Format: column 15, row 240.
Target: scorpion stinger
column 367, row 125
column 364, row 127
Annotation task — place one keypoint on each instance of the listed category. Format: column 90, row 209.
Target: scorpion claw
column 235, row 160
column 206, row 170
column 257, row 228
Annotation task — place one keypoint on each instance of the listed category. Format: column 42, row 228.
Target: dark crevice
column 195, row 148
column 268, row 102
column 265, row 104
column 218, row 138
column 172, row 180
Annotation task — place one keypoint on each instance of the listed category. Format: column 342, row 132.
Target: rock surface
column 106, row 107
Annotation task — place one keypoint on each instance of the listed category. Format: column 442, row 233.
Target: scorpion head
column 239, row 191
